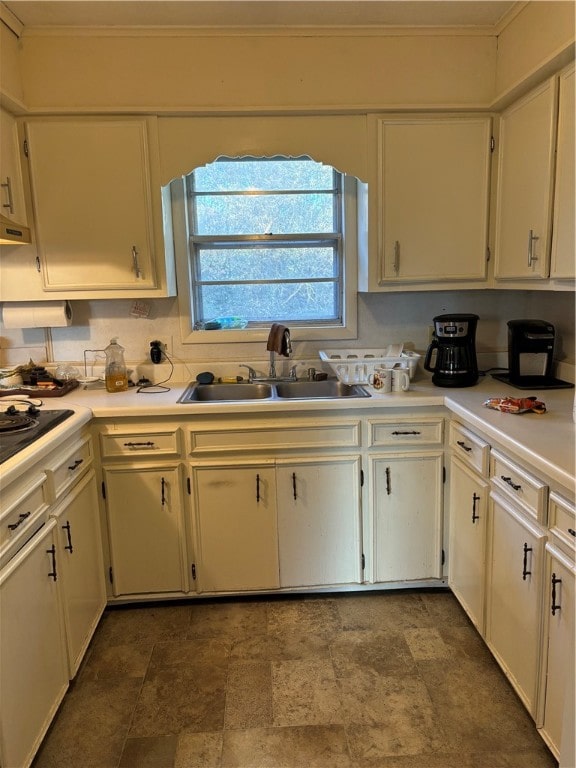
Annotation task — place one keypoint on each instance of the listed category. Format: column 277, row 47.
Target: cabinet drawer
column 516, row 483
column 470, row 448
column 18, row 511
column 299, row 433
column 144, row 444
column 562, row 520
column 68, row 469
column 406, row 432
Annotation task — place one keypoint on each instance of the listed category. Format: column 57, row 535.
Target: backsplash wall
column 382, row 319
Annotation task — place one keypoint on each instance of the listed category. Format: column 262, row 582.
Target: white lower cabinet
column 236, row 537
column 514, row 596
column 557, row 683
column 319, row 526
column 406, row 503
column 33, row 663
column 467, row 548
column 146, row 529
column 81, row 564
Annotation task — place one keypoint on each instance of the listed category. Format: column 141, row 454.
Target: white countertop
column 547, row 441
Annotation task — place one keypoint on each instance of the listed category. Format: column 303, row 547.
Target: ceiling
column 261, row 13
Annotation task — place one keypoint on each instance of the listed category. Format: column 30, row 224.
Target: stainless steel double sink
column 330, row 389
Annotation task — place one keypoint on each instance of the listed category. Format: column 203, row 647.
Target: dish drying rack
column 355, row 366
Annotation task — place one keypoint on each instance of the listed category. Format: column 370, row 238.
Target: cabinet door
column 563, row 264
column 468, row 525
column 525, row 185
column 33, row 668
column 513, row 615
column 92, row 203
column 236, row 529
column 12, row 191
column 82, row 566
column 407, row 516
column 145, row 521
column 319, row 530
column 557, row 682
column 434, row 199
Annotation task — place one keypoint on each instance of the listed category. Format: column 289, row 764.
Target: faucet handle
column 251, row 372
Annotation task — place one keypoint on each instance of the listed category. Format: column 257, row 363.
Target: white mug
column 400, row 379
column 381, row 380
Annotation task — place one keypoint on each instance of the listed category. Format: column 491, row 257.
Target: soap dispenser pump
column 116, row 373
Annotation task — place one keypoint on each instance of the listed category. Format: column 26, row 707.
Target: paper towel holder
column 36, row 314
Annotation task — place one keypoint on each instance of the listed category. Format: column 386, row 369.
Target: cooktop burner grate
column 14, row 439
column 17, row 422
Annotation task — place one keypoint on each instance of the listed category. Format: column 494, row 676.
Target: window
column 267, row 243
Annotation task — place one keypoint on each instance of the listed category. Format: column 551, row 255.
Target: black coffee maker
column 455, row 362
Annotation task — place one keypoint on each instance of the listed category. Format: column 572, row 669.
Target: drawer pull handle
column 525, row 571
column 414, row 432
column 463, row 445
column 388, row 487
column 76, row 464
column 163, row 492
column 69, row 536
column 475, row 498
column 555, row 607
column 571, row 531
column 52, row 551
column 294, row 486
column 511, row 483
column 147, row 444
column 21, row 517
column 257, row 488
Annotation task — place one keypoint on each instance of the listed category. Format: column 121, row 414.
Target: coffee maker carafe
column 455, row 362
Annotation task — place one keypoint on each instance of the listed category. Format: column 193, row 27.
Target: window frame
column 176, row 199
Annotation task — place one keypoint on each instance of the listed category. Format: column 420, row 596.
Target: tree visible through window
column 266, row 241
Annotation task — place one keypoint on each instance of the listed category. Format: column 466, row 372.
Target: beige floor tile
column 136, row 624
column 249, row 695
column 381, row 651
column 305, row 693
column 390, row 611
column 91, row 725
column 200, row 650
column 174, row 699
column 150, row 752
column 316, row 616
column 199, row 750
column 426, row 644
column 318, row 746
column 228, row 619
column 282, row 646
column 401, row 734
column 113, row 662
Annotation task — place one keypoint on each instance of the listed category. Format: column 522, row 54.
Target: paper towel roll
column 36, row 314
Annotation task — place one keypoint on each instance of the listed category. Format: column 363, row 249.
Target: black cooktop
column 533, row 382
column 20, row 429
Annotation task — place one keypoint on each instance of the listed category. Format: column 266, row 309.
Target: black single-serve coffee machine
column 455, row 363
column 531, row 356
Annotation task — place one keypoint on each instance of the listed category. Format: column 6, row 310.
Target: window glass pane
column 271, row 303
column 242, row 175
column 269, row 214
column 266, row 263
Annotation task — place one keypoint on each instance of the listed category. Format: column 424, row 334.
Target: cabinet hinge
column 103, row 490
column 443, row 557
column 111, row 575
column 194, row 571
column 363, row 561
column 443, row 474
column 361, row 477
column 25, row 148
column 492, row 143
column 188, row 486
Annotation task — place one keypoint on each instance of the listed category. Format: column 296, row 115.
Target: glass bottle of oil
column 116, row 373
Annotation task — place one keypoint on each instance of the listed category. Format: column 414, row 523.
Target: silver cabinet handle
column 396, row 264
column 531, row 240
column 8, row 187
column 135, row 264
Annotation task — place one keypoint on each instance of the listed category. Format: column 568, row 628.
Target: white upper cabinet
column 563, row 263
column 97, row 206
column 432, row 202
column 525, row 186
column 12, row 190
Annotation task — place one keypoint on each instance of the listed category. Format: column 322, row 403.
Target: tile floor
column 370, row 680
